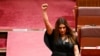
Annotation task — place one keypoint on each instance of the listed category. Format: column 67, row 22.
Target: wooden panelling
column 88, row 3
column 88, row 20
column 90, row 52
column 90, row 41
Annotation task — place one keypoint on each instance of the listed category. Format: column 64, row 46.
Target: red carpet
column 27, row 13
column 26, row 44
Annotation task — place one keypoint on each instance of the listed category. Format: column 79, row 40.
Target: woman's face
column 62, row 29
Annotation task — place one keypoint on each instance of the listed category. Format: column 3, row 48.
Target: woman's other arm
column 76, row 50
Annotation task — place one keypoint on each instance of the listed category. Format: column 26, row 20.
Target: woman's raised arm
column 48, row 25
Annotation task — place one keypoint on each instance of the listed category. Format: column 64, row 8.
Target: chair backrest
column 88, row 15
column 89, row 36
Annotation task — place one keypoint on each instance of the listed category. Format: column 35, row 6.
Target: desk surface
column 2, row 50
column 90, row 52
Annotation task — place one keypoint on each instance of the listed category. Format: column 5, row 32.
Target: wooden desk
column 90, row 52
column 90, row 37
column 2, row 50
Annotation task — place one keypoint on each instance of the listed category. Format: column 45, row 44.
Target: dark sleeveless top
column 58, row 48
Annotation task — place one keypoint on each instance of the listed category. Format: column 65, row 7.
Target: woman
column 60, row 40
